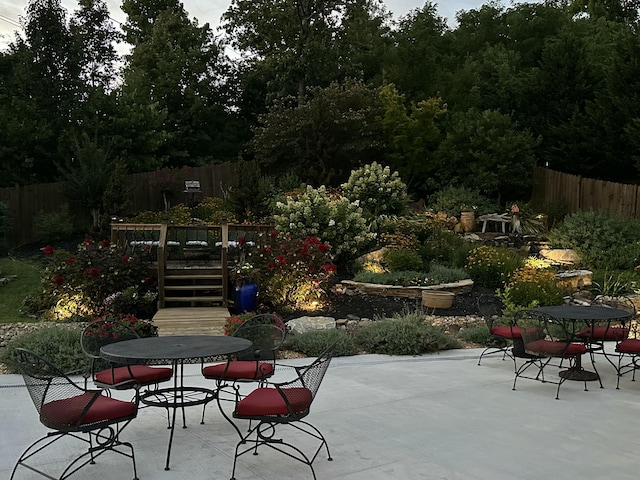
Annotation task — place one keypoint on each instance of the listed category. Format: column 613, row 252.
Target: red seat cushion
column 268, row 402
column 556, row 349
column 66, row 412
column 141, row 374
column 630, row 345
column 602, row 332
column 239, row 370
column 506, row 331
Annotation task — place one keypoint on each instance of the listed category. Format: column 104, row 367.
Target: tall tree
column 175, row 69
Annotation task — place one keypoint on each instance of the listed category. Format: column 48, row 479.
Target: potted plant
column 246, row 278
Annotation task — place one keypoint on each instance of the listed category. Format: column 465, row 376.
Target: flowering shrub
column 212, row 210
column 294, row 270
column 491, row 267
column 245, row 272
column 78, row 284
column 232, row 323
column 529, row 288
column 337, row 221
column 135, row 300
column 379, row 191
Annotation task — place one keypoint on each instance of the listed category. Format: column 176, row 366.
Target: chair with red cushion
column 595, row 335
column 258, row 363
column 275, row 405
column 121, row 377
column 503, row 331
column 545, row 341
column 72, row 411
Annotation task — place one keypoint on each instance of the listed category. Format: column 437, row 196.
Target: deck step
column 192, row 287
column 206, row 298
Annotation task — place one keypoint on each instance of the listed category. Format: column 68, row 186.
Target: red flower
column 268, row 249
column 58, row 280
column 86, row 272
column 125, row 258
column 323, row 247
column 281, row 260
column 329, row 267
column 146, row 247
column 242, row 241
column 95, row 272
column 48, row 250
column 87, row 241
column 148, row 280
column 273, row 233
column 70, row 260
column 105, row 243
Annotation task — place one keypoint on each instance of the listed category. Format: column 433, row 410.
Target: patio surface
column 435, row 416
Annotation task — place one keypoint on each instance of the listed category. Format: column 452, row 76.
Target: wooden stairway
column 194, row 287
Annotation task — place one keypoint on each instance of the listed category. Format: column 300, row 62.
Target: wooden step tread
column 216, row 298
column 193, row 287
column 192, row 277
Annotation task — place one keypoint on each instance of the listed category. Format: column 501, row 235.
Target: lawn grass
column 13, row 293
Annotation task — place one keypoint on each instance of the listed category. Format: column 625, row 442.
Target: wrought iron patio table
column 176, row 350
column 570, row 317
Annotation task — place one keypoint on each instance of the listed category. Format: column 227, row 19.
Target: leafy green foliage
column 52, row 226
column 402, row 259
column 58, row 344
column 314, row 343
column 5, row 226
column 599, row 238
column 453, row 200
column 14, row 293
column 529, row 288
column 476, row 334
column 492, row 267
column 406, row 334
column 406, row 278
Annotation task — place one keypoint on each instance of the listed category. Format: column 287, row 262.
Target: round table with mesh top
column 569, row 317
column 176, row 350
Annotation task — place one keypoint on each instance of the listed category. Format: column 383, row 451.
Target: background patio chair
column 595, row 336
column 72, row 411
column 503, row 331
column 544, row 341
column 267, row 333
column 277, row 405
column 104, row 332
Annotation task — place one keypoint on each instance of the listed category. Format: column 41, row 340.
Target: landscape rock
column 309, row 324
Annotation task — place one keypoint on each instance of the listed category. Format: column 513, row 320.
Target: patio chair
column 72, row 411
column 544, row 341
column 257, row 364
column 120, row 377
column 281, row 404
column 595, row 336
column 503, row 333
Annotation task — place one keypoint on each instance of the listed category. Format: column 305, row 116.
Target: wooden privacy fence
column 26, row 202
column 578, row 193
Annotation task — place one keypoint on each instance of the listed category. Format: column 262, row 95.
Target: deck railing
column 164, row 245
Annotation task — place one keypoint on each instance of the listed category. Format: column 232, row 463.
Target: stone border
column 463, row 286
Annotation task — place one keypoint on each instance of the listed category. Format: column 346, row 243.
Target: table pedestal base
column 579, row 375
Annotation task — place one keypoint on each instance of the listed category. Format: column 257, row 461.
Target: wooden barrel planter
column 468, row 221
column 437, row 299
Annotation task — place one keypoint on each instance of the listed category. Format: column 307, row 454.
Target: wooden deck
column 191, row 320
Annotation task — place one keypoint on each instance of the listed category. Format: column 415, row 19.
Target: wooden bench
column 501, row 219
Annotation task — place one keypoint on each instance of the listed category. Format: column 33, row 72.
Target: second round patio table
column 568, row 316
column 176, row 350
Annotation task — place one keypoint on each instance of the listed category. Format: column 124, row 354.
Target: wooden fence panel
column 26, row 202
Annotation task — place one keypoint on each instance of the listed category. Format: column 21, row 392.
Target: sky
column 211, row 10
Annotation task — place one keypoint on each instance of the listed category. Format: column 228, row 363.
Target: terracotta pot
column 437, row 299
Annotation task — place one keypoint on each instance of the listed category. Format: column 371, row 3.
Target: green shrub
column 453, row 200
column 529, row 288
column 53, row 226
column 58, row 344
column 596, row 236
column 404, row 334
column 212, row 210
column 402, row 260
column 178, row 215
column 477, row 334
column 314, row 343
column 405, row 279
column 491, row 267
column 379, row 191
column 441, row 247
column 418, row 227
column 446, row 274
column 613, row 283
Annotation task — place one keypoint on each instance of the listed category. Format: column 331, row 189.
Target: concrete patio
column 435, row 416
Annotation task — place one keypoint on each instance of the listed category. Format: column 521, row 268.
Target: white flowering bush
column 379, row 191
column 335, row 220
